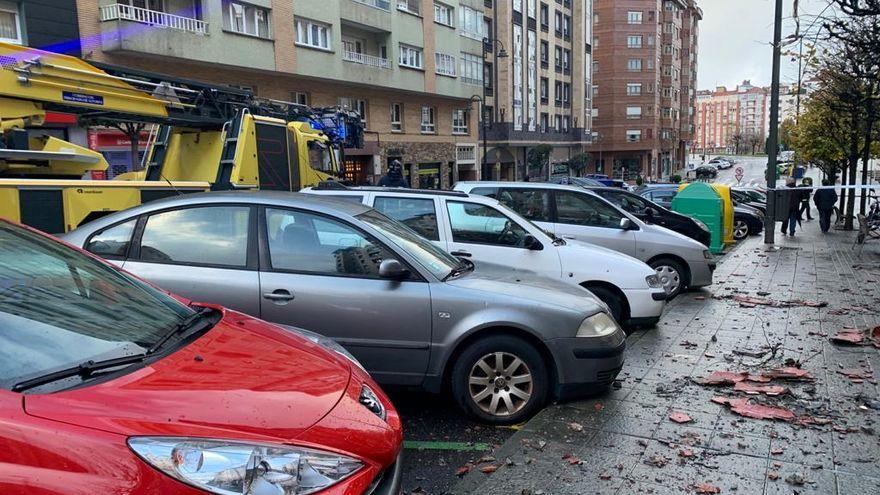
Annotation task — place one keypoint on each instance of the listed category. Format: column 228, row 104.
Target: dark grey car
column 409, row 312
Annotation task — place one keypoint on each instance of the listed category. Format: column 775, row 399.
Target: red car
column 110, row 386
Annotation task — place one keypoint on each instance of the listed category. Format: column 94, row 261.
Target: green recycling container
column 700, row 200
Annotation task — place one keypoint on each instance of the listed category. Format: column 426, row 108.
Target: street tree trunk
column 866, row 159
column 853, row 165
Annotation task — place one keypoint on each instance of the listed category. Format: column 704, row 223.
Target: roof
column 393, row 190
column 542, row 185
column 274, row 198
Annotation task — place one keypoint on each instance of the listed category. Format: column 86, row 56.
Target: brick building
column 644, row 77
column 408, row 66
column 732, row 121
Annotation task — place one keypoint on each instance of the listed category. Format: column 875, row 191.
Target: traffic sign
column 738, row 173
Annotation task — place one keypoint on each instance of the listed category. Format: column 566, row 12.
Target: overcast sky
column 735, row 37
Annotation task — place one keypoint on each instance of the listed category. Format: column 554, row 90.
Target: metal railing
column 362, row 58
column 471, row 80
column 379, row 4
column 118, row 11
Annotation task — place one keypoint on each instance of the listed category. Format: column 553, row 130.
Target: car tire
column 614, row 301
column 741, row 229
column 508, row 408
column 672, row 275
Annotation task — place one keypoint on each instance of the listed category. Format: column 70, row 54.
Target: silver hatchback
column 409, row 312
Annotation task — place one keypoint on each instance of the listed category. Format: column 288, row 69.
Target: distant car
column 706, row 172
column 744, row 198
column 109, row 385
column 411, row 313
column 606, row 181
column 578, row 181
column 721, row 163
column 582, row 215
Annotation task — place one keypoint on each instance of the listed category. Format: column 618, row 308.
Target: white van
column 484, row 231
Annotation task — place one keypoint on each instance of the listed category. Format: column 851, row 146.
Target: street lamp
column 488, row 47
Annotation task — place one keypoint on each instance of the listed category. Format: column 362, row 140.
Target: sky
column 735, row 37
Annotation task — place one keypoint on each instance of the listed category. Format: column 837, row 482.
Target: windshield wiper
column 88, row 368
column 460, row 269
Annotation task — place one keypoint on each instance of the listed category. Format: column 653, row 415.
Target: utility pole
column 773, row 141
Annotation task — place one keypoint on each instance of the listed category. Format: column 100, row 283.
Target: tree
column 578, row 163
column 132, row 131
column 736, row 140
column 538, row 158
column 821, row 137
column 785, row 133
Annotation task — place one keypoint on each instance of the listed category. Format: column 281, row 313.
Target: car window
column 631, row 203
column 346, row 197
column 481, row 224
column 418, row 214
column 206, row 235
column 583, row 209
column 112, row 242
column 489, row 192
column 534, row 204
column 304, row 242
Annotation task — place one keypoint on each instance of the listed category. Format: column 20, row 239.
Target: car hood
column 501, row 280
column 588, row 262
column 244, row 379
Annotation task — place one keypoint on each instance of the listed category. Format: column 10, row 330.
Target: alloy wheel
column 500, row 384
column 669, row 277
column 740, row 230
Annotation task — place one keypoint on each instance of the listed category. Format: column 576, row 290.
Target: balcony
column 379, row 4
column 364, row 59
column 118, row 11
column 504, row 131
column 465, row 153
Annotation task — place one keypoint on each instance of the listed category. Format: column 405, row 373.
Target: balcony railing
column 466, row 153
column 362, row 58
column 471, row 80
column 379, row 4
column 118, row 11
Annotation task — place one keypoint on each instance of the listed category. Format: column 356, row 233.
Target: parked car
column 606, row 181
column 577, row 181
column 410, row 312
column 706, row 172
column 744, row 198
column 746, row 220
column 578, row 214
column 471, row 226
column 109, row 385
column 721, row 163
column 653, row 213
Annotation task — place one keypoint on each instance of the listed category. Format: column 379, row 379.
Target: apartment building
column 538, row 80
column 409, row 67
column 644, row 74
column 732, row 121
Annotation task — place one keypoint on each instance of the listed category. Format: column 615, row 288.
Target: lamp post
column 773, row 141
column 488, row 47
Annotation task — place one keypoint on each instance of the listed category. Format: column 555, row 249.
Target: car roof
column 541, row 185
column 391, row 190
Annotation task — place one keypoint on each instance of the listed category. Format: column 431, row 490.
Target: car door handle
column 463, row 254
column 278, row 295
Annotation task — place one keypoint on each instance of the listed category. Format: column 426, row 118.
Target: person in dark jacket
column 825, row 200
column 394, row 177
column 794, row 205
column 805, row 200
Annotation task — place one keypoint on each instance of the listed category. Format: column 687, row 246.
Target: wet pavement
column 765, row 312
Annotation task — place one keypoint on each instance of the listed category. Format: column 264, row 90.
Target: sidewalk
column 624, row 440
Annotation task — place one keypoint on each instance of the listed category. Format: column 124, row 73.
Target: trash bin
column 699, row 200
column 799, row 172
column 724, row 193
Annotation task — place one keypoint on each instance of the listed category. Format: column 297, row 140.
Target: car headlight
column 701, row 225
column 227, row 467
column 653, row 281
column 598, row 325
column 706, row 254
column 371, row 401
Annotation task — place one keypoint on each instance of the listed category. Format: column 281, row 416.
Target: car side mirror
column 625, row 223
column 393, row 270
column 531, row 243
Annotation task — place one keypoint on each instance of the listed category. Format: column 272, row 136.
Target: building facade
column 732, row 121
column 538, row 80
column 409, row 67
column 644, row 76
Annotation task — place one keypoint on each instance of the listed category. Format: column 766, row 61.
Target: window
column 533, row 204
column 545, row 16
column 444, row 14
column 410, row 56
column 10, row 24
column 300, row 98
column 566, row 26
column 634, row 64
column 428, row 125
column 566, row 123
column 558, row 127
column 545, row 52
column 481, row 224
column 545, row 89
column 459, row 121
column 112, row 242
column 627, row 202
column 634, row 41
column 397, row 117
column 633, row 112
column 633, row 89
column 248, row 19
column 417, row 213
column 471, row 68
column 411, row 6
column 582, row 209
column 313, row 34
column 566, row 92
column 566, row 59
column 558, row 19
column 359, row 106
column 545, row 122
column 214, row 235
column 444, row 64
column 558, row 57
column 471, row 22
column 304, row 242
column 633, row 135
column 633, row 17
column 558, row 91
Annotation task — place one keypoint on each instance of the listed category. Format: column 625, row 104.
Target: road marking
column 457, row 446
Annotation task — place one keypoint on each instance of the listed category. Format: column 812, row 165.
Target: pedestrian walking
column 825, row 200
column 794, row 204
column 805, row 200
column 394, row 177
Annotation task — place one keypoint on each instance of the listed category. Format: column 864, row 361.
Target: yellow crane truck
column 203, row 137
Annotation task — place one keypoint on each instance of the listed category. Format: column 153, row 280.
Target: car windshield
column 438, row 262
column 320, row 156
column 60, row 308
